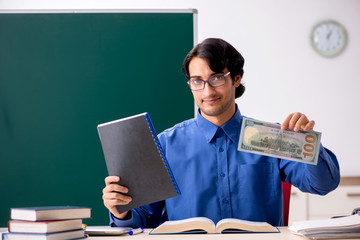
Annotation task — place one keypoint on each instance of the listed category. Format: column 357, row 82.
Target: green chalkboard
column 61, row 74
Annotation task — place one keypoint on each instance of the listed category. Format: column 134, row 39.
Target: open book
column 206, row 225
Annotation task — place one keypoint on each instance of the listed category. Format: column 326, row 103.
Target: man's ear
column 237, row 80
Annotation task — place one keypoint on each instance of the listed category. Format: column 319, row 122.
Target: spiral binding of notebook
column 161, row 152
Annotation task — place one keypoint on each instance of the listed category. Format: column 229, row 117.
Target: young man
column 216, row 180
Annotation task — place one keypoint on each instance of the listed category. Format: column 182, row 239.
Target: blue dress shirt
column 218, row 181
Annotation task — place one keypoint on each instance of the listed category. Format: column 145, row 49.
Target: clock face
column 328, row 38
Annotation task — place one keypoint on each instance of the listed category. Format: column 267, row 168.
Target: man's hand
column 297, row 121
column 113, row 195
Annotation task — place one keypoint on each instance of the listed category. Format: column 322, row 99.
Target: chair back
column 286, row 188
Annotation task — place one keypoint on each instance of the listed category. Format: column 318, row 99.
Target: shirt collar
column 231, row 128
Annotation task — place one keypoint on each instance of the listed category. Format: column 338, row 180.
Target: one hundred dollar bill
column 268, row 139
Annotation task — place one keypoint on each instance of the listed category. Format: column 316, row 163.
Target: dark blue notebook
column 132, row 151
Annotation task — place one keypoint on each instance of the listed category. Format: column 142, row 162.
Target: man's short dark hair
column 220, row 55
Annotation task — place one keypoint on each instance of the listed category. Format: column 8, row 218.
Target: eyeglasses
column 214, row 81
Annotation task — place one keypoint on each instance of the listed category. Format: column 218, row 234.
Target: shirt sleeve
column 319, row 179
column 148, row 216
column 115, row 222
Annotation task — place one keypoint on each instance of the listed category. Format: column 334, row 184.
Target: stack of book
column 335, row 228
column 47, row 223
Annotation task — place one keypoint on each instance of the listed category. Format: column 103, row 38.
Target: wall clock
column 328, row 38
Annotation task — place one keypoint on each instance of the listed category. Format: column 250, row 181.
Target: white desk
column 284, row 234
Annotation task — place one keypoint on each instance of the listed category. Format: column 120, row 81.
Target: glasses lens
column 196, row 84
column 217, row 81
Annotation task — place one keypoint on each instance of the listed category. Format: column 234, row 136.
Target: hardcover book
column 133, row 152
column 77, row 234
column 50, row 213
column 44, row 226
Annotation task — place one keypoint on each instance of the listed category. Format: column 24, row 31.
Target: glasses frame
column 207, row 81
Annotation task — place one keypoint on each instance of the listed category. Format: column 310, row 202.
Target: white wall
column 282, row 72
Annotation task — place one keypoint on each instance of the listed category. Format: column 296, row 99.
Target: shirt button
column 221, row 149
column 222, row 175
column 225, row 201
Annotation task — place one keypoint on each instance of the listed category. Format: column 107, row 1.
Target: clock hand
column 328, row 35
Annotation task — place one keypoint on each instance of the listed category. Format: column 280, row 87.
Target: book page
column 190, row 224
column 243, row 225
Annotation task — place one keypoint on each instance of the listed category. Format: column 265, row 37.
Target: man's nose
column 208, row 89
